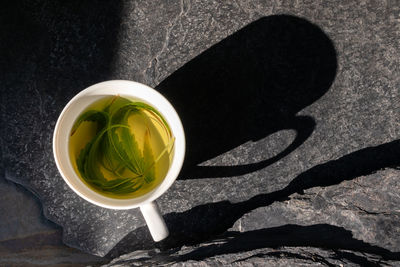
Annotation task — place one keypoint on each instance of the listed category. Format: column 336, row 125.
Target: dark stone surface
column 287, row 245
column 27, row 238
column 292, row 125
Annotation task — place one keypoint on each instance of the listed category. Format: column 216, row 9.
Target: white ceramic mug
column 133, row 90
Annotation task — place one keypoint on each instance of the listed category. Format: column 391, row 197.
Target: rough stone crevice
column 322, row 236
column 330, row 243
column 364, row 260
column 289, row 255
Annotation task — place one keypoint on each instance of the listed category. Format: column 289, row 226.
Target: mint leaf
column 148, row 158
column 100, row 117
column 81, row 160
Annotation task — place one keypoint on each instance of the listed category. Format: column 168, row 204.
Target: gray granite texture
column 291, row 111
column 284, row 256
column 27, row 238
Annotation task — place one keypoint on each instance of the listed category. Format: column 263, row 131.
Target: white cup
column 76, row 106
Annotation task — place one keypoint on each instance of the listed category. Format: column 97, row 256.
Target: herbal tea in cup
column 120, row 145
column 121, row 148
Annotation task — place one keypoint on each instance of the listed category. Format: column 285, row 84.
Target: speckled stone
column 271, row 105
column 225, row 252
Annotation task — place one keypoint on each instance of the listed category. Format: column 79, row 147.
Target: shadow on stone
column 56, row 48
column 205, row 222
column 338, row 241
column 49, row 51
column 319, row 235
column 249, row 86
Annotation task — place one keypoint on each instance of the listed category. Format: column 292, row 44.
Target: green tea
column 121, row 148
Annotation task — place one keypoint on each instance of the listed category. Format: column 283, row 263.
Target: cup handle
column 155, row 221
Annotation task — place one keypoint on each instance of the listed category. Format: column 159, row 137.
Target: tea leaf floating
column 114, row 161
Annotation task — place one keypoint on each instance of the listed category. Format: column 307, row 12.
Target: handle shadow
column 304, row 127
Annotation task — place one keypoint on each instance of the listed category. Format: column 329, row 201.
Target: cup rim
column 124, row 88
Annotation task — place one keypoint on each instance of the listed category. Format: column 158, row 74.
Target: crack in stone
column 386, row 213
column 281, row 254
column 362, row 260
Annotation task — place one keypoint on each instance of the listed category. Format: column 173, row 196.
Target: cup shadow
column 249, row 86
